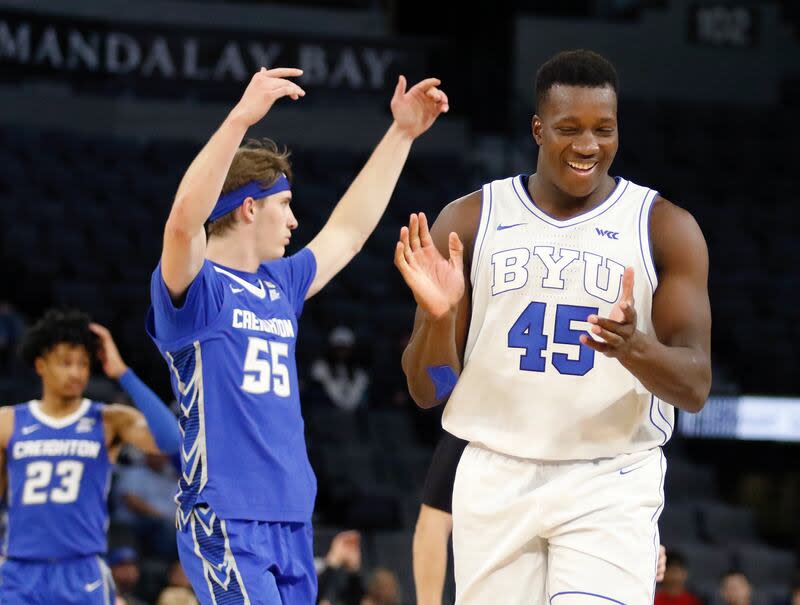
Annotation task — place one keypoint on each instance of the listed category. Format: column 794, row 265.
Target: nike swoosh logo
column 501, row 227
column 27, row 430
column 236, row 290
column 258, row 292
column 92, row 586
column 625, row 471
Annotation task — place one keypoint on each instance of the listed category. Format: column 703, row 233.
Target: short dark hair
column 55, row 327
column 575, row 68
column 675, row 557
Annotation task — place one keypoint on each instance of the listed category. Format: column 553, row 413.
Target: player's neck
column 233, row 251
column 561, row 205
column 57, row 406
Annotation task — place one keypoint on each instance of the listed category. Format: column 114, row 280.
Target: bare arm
column 675, row 364
column 430, row 554
column 141, row 506
column 432, row 266
column 184, row 238
column 6, row 428
column 125, row 424
column 356, row 215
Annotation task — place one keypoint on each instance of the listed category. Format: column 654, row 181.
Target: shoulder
column 674, row 232
column 6, row 424
column 462, row 216
column 119, row 415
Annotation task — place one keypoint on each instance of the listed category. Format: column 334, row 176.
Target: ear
column 247, row 211
column 536, row 129
column 38, row 365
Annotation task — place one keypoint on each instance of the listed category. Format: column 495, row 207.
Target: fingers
column 286, row 88
column 400, row 89
column 456, row 251
column 404, row 239
column 281, row 72
column 627, row 286
column 99, row 330
column 610, row 337
column 424, row 233
column 439, row 97
column 425, row 84
column 413, row 229
column 588, row 341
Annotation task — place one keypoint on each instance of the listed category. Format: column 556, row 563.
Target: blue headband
column 233, row 199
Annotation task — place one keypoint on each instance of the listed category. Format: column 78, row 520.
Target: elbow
column 696, row 394
column 423, row 402
column 421, row 396
column 178, row 223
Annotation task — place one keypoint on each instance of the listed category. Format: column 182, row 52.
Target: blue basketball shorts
column 79, row 581
column 239, row 562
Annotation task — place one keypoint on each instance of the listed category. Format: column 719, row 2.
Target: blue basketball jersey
column 230, row 349
column 58, row 479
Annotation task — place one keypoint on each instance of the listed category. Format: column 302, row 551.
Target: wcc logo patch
column 606, row 233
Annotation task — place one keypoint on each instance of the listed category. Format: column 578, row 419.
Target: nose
column 292, row 221
column 586, row 143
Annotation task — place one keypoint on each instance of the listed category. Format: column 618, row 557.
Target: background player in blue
column 56, row 455
column 224, row 316
column 557, row 496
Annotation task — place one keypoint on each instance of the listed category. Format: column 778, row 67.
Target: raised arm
column 184, row 237
column 151, row 427
column 436, row 267
column 356, row 215
column 675, row 364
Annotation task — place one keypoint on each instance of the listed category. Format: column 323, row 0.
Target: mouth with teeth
column 582, row 167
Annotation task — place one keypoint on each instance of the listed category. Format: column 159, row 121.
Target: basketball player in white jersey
column 579, row 319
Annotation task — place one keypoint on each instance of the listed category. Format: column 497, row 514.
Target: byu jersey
column 231, row 352
column 528, row 387
column 59, row 474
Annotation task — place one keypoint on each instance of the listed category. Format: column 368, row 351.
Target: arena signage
column 86, row 51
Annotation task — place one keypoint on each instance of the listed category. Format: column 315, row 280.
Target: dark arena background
column 104, row 104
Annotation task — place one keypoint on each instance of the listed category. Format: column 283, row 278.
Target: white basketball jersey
column 528, row 387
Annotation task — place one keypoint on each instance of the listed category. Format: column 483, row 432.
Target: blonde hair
column 258, row 160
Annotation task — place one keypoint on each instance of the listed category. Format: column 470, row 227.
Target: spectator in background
column 672, row 590
column 735, row 589
column 340, row 578
column 383, row 589
column 342, row 381
column 178, row 590
column 124, row 564
column 145, row 501
column 173, row 595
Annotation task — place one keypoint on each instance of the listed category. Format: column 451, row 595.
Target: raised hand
column 416, row 110
column 618, row 329
column 107, row 352
column 266, row 87
column 436, row 282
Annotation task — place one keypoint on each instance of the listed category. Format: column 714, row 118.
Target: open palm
column 416, row 110
column 436, row 282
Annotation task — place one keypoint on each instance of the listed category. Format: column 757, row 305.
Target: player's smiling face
column 576, row 130
column 275, row 222
column 65, row 370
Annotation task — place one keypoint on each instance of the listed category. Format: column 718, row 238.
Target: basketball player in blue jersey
column 56, row 455
column 225, row 306
column 579, row 320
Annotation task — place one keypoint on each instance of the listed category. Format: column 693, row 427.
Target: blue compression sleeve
column 163, row 425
